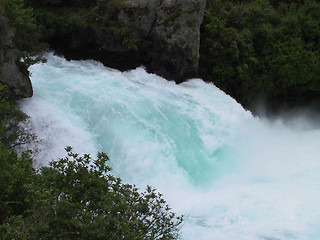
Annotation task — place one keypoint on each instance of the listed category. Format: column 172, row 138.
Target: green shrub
column 263, row 50
column 11, row 131
column 77, row 198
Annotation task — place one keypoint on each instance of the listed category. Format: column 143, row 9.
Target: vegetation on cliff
column 27, row 32
column 263, row 51
column 62, row 19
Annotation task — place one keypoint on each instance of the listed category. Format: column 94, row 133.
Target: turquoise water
column 233, row 176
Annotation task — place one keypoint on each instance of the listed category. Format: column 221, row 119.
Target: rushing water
column 231, row 175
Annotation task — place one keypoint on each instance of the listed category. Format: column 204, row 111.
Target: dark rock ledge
column 168, row 34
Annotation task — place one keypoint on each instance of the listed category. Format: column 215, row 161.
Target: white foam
column 231, row 175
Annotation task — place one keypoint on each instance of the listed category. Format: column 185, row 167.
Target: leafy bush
column 15, row 171
column 263, row 50
column 77, row 198
column 12, row 133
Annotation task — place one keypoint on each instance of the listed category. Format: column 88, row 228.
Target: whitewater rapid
column 233, row 176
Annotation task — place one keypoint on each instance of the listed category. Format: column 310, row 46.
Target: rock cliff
column 11, row 72
column 170, row 31
column 162, row 35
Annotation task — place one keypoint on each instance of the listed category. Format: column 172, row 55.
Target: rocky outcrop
column 162, row 35
column 11, row 72
column 170, row 31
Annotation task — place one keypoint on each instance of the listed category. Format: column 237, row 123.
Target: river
column 233, row 176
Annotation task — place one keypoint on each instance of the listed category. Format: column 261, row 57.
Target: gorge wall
column 241, row 54
column 11, row 71
column 162, row 35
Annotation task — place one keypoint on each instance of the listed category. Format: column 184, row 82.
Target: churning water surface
column 233, row 176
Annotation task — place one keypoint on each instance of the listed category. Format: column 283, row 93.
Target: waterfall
column 232, row 176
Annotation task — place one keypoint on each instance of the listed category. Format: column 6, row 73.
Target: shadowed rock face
column 10, row 72
column 167, row 34
column 171, row 35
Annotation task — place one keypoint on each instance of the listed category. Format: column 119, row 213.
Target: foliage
column 125, row 35
column 14, row 171
column 15, row 174
column 12, row 133
column 60, row 19
column 263, row 50
column 27, row 33
column 77, row 198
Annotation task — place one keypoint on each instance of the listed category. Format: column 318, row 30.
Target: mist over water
column 233, row 176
